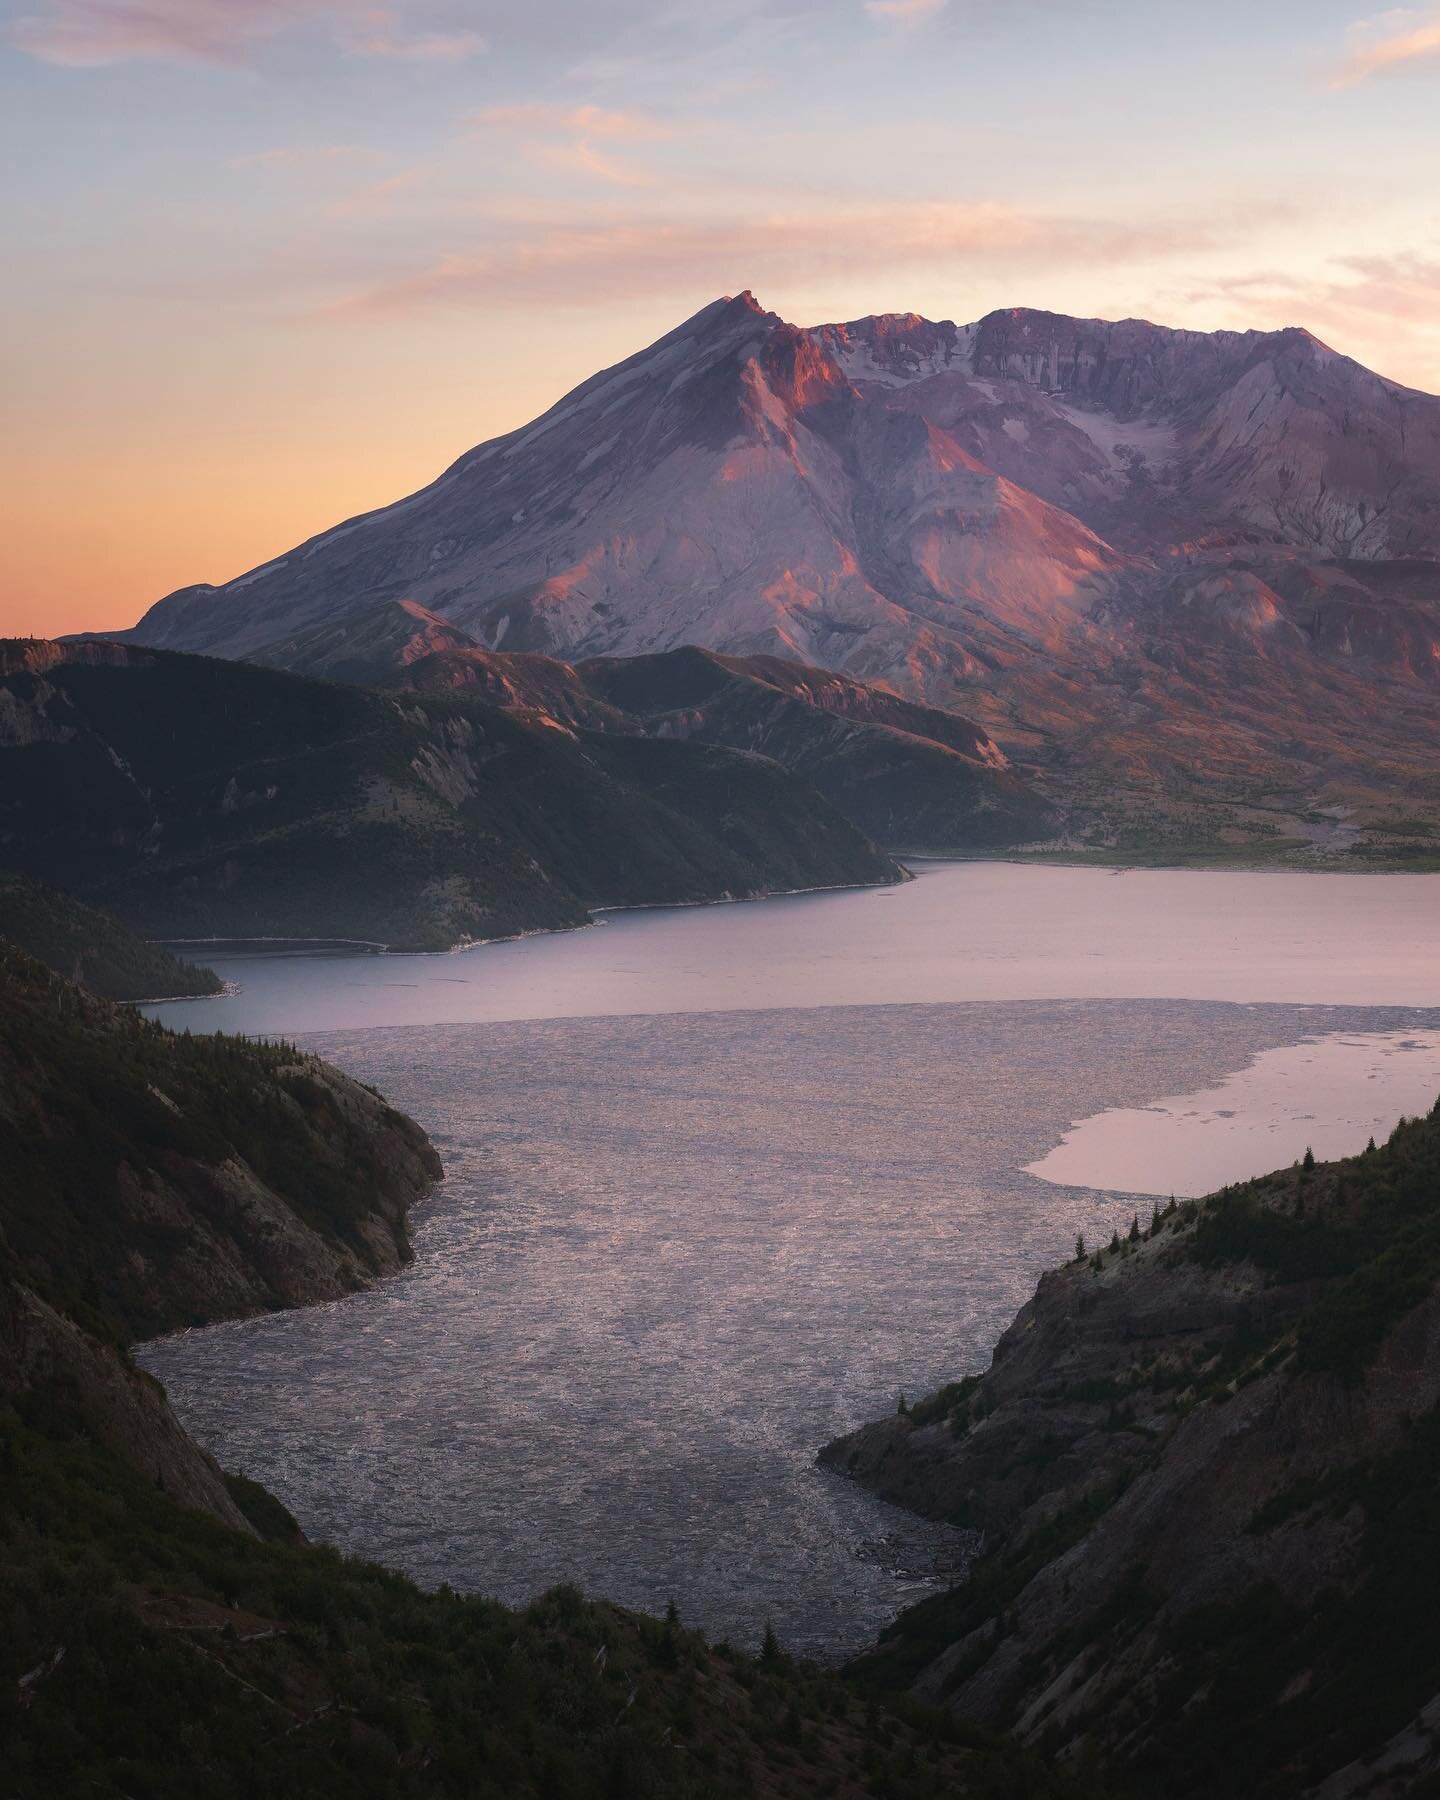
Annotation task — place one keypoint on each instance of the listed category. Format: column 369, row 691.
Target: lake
column 723, row 1181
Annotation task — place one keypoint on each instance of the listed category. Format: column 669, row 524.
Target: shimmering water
column 673, row 1256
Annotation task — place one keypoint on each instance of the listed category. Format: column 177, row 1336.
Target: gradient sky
column 272, row 262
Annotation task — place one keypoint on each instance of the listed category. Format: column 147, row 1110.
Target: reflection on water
column 1328, row 1095
column 673, row 1256
column 961, row 931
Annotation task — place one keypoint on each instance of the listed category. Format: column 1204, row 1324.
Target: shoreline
column 306, row 946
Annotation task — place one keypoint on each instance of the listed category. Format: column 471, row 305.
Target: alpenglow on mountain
column 1187, row 581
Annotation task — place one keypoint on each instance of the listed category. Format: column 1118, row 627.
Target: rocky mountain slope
column 155, row 1181
column 1188, row 581
column 92, row 948
column 1206, row 1463
column 167, row 1631
column 197, row 798
column 912, row 777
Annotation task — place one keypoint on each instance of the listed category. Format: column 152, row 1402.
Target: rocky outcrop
column 46, row 1356
column 1205, row 1463
column 204, row 1178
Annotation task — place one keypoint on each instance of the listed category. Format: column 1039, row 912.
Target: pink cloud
column 626, row 257
column 1394, row 43
column 299, row 156
column 377, row 35
column 1384, row 308
column 566, row 137
column 378, row 197
column 905, row 12
column 92, row 33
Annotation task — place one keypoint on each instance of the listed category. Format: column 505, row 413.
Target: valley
column 719, row 854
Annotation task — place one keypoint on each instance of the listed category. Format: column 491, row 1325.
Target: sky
column 270, row 263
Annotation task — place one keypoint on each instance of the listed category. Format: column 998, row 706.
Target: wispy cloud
column 378, row 33
column 905, row 12
column 1397, row 42
column 570, row 138
column 376, row 197
column 300, row 156
column 627, row 256
column 1385, row 309
column 92, row 33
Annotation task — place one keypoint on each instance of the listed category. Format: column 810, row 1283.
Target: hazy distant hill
column 1187, row 581
column 199, row 798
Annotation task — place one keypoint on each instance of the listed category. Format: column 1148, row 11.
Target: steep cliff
column 154, row 1181
column 1206, row 1464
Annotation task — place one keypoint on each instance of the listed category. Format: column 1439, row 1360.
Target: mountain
column 366, row 649
column 1187, row 581
column 1206, row 1463
column 197, row 798
column 910, row 776
column 167, row 1629
column 92, row 948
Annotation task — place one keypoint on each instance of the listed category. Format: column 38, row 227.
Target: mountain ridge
column 909, row 776
column 1187, row 581
column 194, row 797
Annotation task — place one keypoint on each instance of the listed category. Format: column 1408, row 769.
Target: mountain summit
column 1179, row 576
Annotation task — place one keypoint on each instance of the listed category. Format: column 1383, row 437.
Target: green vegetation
column 99, row 1105
column 150, row 1648
column 1129, row 1621
column 197, row 1660
column 1368, row 1228
column 92, row 948
column 198, row 798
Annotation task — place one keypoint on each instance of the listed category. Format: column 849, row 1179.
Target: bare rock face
column 1023, row 518
column 154, row 1182
column 1205, row 1464
column 118, row 1404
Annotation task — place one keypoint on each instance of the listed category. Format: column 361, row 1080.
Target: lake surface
column 960, row 931
column 722, row 1182
column 1328, row 1094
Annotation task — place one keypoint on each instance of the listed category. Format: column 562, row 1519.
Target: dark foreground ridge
column 195, row 798
column 166, row 1630
column 1206, row 1461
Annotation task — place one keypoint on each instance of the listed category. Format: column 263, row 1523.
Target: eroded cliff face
column 154, row 1181
column 1206, row 1466
column 45, row 1355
